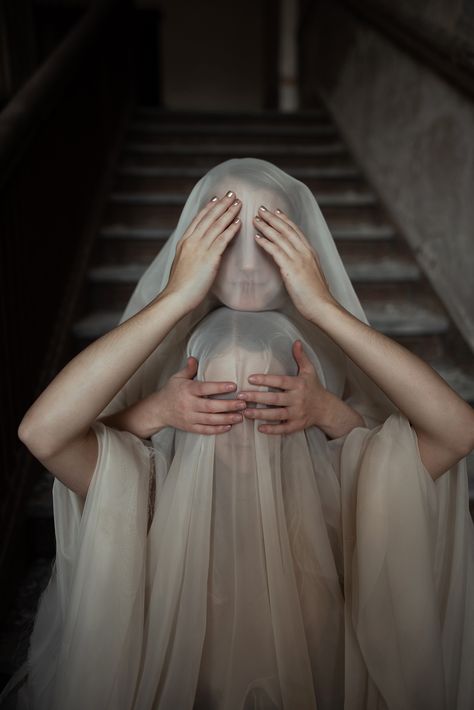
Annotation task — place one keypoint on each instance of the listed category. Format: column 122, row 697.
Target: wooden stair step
column 299, row 118
column 326, row 156
column 333, row 147
column 137, row 178
column 393, row 318
column 363, row 232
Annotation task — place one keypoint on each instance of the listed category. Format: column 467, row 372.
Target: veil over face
column 249, row 280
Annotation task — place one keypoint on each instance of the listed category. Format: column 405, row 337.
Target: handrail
column 453, row 61
column 21, row 117
column 59, row 138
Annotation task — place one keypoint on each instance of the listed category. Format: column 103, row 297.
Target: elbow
column 467, row 444
column 36, row 441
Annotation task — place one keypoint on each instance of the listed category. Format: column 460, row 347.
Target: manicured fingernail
column 257, row 236
column 236, row 202
column 213, row 199
column 278, row 211
column 257, row 219
column 264, row 209
column 229, row 194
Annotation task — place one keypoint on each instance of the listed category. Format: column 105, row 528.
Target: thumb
column 301, row 359
column 189, row 370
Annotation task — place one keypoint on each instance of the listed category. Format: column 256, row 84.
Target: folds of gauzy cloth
column 252, row 571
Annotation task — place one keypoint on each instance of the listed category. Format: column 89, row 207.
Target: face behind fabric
column 236, row 448
column 248, row 278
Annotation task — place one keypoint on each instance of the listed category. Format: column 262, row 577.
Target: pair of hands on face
column 183, row 402
column 200, row 249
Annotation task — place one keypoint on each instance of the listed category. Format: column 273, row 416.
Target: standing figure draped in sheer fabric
column 296, row 535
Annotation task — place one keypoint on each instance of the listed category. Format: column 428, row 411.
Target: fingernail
column 253, row 378
column 213, row 199
column 229, row 194
column 278, row 211
column 235, row 203
column 237, row 418
column 264, row 209
column 257, row 219
column 230, row 387
column 241, row 396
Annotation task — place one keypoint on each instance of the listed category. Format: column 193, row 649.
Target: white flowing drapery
column 247, row 571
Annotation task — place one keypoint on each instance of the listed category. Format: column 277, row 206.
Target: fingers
column 271, row 225
column 279, row 214
column 190, row 370
column 217, row 217
column 286, row 428
column 205, row 389
column 217, row 419
column 284, row 382
column 207, row 207
column 210, row 430
column 275, row 414
column 301, row 359
column 203, row 404
column 274, row 398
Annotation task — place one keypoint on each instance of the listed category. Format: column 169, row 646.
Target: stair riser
column 166, row 216
column 124, row 251
column 153, row 184
column 428, row 347
column 255, row 121
column 132, row 157
column 116, row 294
column 319, row 137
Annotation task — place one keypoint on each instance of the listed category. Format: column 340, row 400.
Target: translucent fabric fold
column 246, row 571
column 265, row 571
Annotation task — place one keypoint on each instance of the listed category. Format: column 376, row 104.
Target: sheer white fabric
column 247, row 571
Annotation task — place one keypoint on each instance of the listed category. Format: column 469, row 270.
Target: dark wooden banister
column 58, row 138
column 20, row 119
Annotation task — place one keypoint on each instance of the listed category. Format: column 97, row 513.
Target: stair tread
column 342, row 198
column 402, row 317
column 371, row 268
column 225, row 129
column 309, row 114
column 334, row 148
column 336, row 172
column 362, row 231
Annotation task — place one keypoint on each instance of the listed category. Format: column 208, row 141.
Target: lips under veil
column 247, row 571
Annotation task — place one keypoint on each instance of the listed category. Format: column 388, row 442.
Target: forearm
column 73, row 400
column 422, row 395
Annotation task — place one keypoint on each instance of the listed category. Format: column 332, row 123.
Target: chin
column 252, row 304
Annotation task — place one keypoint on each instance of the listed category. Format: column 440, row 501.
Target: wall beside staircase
column 412, row 131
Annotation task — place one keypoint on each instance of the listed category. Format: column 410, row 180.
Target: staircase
column 164, row 154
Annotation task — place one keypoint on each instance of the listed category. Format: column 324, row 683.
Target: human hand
column 298, row 262
column 199, row 251
column 301, row 403
column 182, row 403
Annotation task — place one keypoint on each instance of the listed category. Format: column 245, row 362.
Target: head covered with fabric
column 249, row 281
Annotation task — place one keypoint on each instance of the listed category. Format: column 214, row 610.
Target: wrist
column 324, row 311
column 175, row 303
column 335, row 417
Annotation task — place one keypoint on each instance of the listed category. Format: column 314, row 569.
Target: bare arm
column 442, row 420
column 57, row 427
